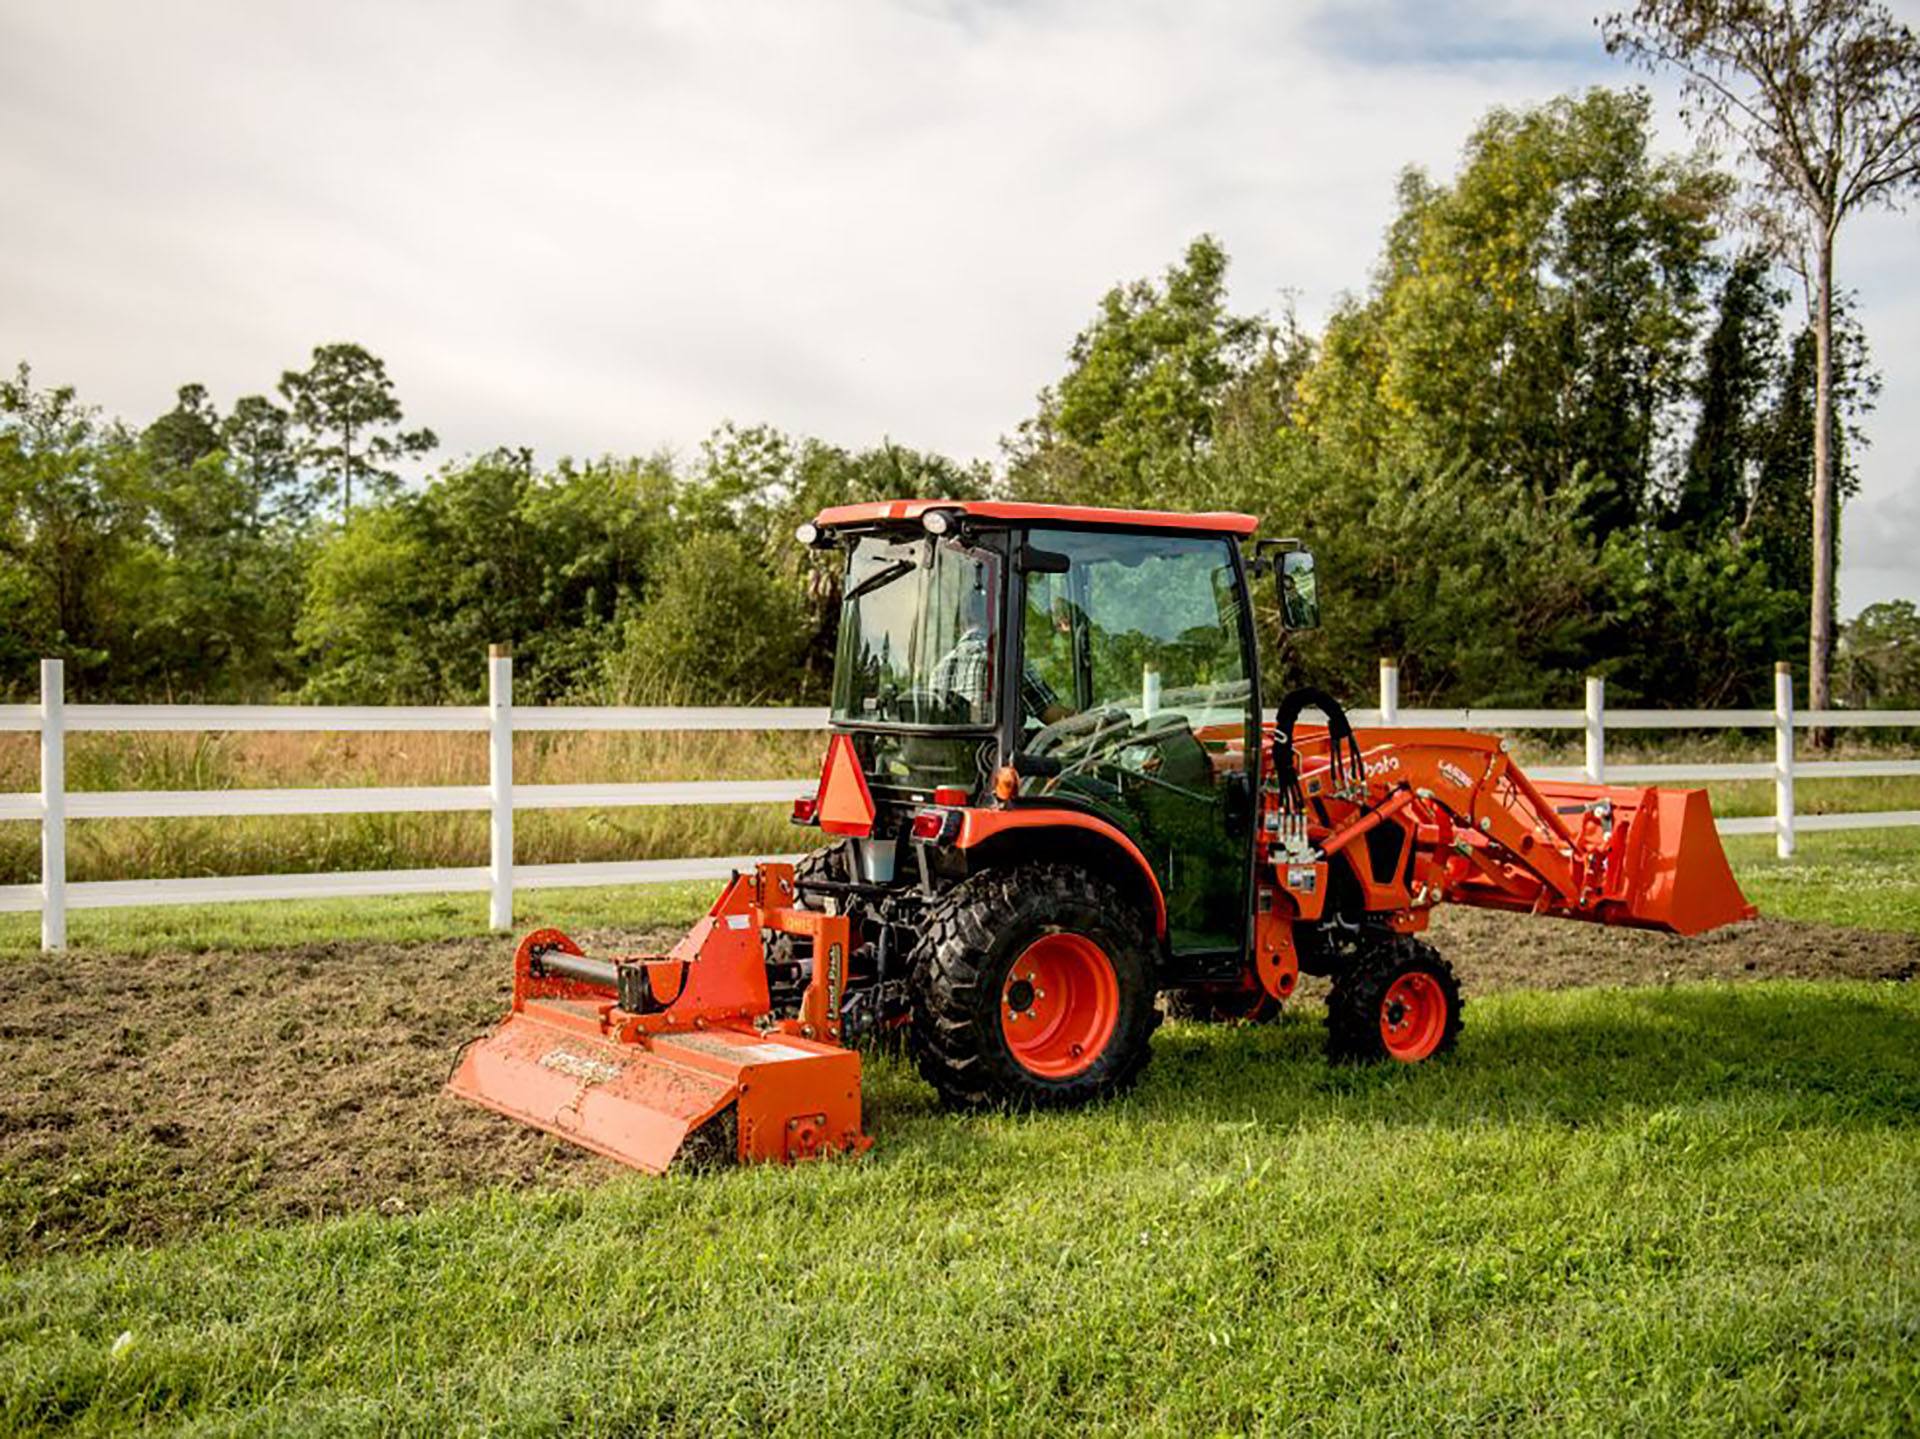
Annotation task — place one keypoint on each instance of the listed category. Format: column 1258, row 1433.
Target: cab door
column 1134, row 680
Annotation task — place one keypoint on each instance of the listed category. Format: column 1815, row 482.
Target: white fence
column 500, row 719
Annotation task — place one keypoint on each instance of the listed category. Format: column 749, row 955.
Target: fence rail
column 500, row 719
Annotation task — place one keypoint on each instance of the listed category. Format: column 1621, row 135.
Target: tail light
column 806, row 809
column 936, row 826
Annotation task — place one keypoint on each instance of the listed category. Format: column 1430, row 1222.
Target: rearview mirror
column 1033, row 561
column 1299, row 591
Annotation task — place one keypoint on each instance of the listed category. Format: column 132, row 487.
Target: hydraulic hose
column 1343, row 750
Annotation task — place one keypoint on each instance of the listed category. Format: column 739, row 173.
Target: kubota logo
column 1381, row 766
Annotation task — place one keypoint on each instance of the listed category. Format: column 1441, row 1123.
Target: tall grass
column 171, row 848
column 298, row 844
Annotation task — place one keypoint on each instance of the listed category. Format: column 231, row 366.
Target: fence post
column 1596, row 730
column 53, row 804
column 500, row 784
column 1389, row 691
column 1783, row 760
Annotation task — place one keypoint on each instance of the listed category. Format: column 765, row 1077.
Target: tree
column 1535, row 315
column 190, row 431
column 401, row 599
column 132, row 556
column 763, row 484
column 1136, row 418
column 258, row 439
column 349, row 418
column 1880, row 657
column 1488, row 592
column 67, row 523
column 717, row 628
column 1779, row 517
column 1824, row 98
column 1741, row 362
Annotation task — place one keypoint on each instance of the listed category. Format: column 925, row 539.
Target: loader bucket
column 1671, row 872
column 1680, row 880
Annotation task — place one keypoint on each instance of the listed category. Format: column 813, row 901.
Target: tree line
column 1568, row 426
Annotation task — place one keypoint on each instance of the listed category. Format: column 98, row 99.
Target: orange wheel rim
column 1059, row 1005
column 1413, row 1016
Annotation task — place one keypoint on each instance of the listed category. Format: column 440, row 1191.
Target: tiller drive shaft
column 650, row 1058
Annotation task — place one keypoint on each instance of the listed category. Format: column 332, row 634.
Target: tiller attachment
column 652, row 1058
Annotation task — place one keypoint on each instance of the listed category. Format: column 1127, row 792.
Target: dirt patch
column 141, row 1098
column 1502, row 951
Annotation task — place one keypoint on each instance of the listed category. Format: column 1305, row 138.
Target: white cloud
column 602, row 226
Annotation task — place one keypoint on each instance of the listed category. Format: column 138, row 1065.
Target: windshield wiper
column 885, row 576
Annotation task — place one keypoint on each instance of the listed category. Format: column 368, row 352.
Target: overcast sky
column 593, row 227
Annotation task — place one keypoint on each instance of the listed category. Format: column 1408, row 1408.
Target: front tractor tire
column 1033, row 987
column 1397, row 999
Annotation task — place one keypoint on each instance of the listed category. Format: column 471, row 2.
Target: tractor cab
column 1096, row 665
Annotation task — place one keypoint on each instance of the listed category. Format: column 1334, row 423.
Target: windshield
column 918, row 644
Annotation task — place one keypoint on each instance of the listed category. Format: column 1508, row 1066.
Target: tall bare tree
column 1824, row 97
column 347, row 417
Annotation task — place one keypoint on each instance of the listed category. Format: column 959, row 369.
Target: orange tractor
column 1055, row 806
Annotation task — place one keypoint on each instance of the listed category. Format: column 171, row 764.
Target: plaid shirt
column 967, row 670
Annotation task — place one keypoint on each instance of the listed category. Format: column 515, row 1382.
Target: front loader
column 1054, row 808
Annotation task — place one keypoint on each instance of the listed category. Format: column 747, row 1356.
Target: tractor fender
column 1001, row 836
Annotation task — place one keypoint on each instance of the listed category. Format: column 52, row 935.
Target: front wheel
column 1397, row 999
column 1032, row 988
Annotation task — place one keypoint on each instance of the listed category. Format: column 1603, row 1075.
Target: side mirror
column 1299, row 591
column 1031, row 561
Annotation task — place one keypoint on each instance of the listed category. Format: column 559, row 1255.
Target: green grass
column 1868, row 878
column 1689, row 1210
column 1733, row 799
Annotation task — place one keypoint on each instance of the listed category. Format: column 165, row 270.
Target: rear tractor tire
column 1397, row 1000
column 1033, row 988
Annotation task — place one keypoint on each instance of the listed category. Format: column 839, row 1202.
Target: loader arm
column 1479, row 832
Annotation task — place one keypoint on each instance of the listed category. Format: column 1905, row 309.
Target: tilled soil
column 141, row 1098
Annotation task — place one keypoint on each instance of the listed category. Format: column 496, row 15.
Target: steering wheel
column 1088, row 726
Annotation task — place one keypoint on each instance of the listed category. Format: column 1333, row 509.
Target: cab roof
column 884, row 511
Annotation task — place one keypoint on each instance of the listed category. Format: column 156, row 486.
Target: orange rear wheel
column 1033, row 987
column 1060, row 1005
